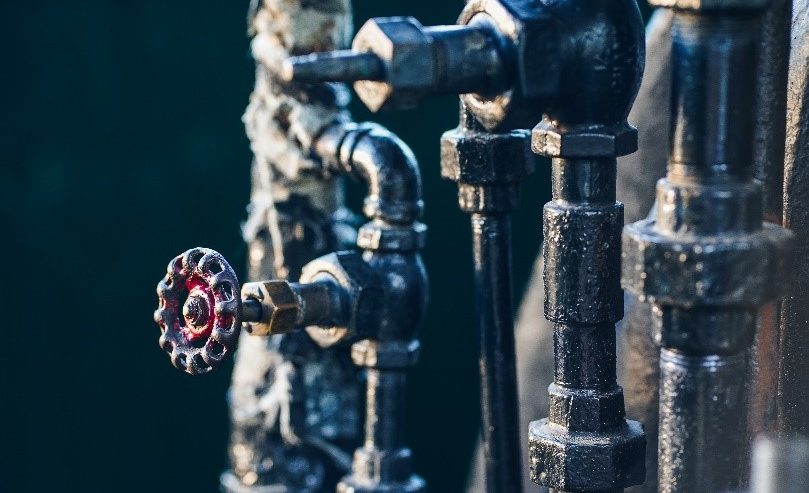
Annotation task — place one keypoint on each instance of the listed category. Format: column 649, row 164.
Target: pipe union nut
column 280, row 307
column 568, row 461
column 741, row 269
column 590, row 142
column 481, row 158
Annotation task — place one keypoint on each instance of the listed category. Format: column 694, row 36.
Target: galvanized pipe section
column 704, row 261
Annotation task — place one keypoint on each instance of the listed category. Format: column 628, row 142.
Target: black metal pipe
column 586, row 444
column 793, row 387
column 584, row 301
column 491, row 243
column 488, row 168
column 384, row 411
column 702, row 396
column 705, row 261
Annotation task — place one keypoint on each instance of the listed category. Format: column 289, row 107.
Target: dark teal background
column 121, row 145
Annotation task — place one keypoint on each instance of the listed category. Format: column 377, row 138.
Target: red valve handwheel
column 198, row 311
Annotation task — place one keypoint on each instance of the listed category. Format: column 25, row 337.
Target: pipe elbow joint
column 377, row 157
column 391, row 171
column 600, row 62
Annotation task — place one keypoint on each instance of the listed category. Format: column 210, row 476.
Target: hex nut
column 482, row 158
column 740, row 269
column 581, row 461
column 280, row 307
column 376, row 236
column 407, row 53
column 595, row 141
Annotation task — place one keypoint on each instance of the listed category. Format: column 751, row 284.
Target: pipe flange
column 199, row 310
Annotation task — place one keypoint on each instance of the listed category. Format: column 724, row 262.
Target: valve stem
column 336, row 66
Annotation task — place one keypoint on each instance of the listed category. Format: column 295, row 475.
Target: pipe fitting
column 372, row 154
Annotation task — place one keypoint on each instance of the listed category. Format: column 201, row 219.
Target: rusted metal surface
column 199, row 335
column 294, row 406
column 703, row 265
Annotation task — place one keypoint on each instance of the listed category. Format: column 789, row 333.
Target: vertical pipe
column 491, row 241
column 794, row 342
column 601, row 450
column 488, row 168
column 385, row 403
column 702, row 393
column 705, row 261
column 768, row 163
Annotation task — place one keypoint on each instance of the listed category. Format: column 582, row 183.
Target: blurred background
column 121, row 145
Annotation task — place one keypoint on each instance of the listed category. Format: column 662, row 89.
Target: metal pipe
column 704, row 260
column 793, row 387
column 491, row 250
column 586, row 444
column 379, row 159
column 294, row 218
column 393, row 284
column 488, row 168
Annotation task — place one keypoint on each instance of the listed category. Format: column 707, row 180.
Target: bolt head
column 280, row 307
column 407, row 53
column 196, row 311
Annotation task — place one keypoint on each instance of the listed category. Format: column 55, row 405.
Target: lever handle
column 199, row 311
